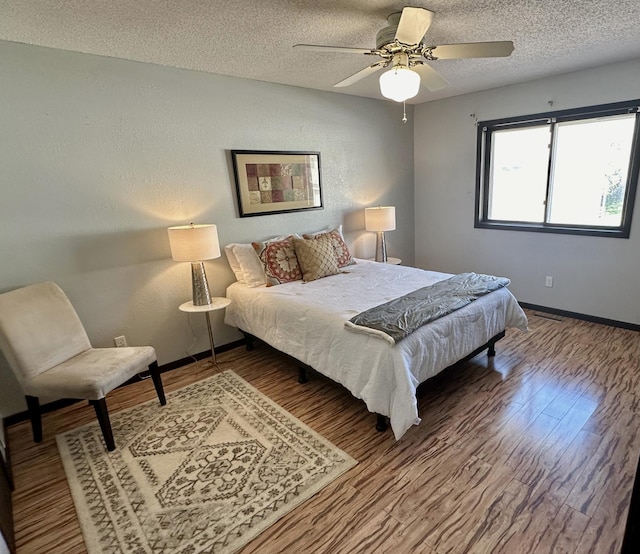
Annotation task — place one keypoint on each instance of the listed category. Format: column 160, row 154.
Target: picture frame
column 274, row 182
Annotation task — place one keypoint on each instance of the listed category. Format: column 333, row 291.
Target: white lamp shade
column 194, row 243
column 380, row 218
column 399, row 83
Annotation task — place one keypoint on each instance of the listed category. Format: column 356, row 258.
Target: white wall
column 592, row 275
column 98, row 156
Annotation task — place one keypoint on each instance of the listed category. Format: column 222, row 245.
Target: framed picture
column 276, row 182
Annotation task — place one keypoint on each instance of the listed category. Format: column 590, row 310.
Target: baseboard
column 58, row 404
column 583, row 317
column 200, row 356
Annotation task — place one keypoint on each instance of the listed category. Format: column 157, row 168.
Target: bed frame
column 381, row 420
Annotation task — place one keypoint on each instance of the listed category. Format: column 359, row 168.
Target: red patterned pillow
column 279, row 260
column 340, row 247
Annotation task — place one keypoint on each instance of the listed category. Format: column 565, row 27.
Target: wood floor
column 533, row 451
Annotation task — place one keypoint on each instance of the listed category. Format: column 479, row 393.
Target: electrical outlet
column 548, row 281
column 120, row 341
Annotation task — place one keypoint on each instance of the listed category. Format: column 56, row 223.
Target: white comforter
column 307, row 321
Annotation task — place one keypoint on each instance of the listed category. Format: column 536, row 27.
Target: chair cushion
column 39, row 328
column 91, row 374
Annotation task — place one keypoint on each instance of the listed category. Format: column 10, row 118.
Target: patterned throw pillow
column 279, row 260
column 341, row 249
column 317, row 257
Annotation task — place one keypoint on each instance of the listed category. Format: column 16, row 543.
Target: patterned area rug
column 206, row 473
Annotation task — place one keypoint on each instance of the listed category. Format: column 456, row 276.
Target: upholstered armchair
column 49, row 351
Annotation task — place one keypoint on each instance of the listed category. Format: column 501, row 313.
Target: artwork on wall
column 276, row 182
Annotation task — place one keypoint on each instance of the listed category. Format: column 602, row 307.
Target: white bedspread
column 307, row 321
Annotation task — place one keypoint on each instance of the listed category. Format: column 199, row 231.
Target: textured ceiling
column 254, row 38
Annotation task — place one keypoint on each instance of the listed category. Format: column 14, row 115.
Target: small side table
column 392, row 261
column 217, row 303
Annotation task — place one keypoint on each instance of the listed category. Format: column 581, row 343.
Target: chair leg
column 157, row 382
column 100, row 406
column 33, row 405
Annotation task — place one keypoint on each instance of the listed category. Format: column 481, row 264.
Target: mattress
column 307, row 321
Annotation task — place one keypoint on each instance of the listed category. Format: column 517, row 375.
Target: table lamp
column 195, row 243
column 379, row 220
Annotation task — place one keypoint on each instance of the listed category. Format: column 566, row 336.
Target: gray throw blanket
column 398, row 318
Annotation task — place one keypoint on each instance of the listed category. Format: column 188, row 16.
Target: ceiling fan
column 400, row 46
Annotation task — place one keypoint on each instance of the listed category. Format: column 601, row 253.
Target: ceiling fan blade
column 473, row 50
column 360, row 75
column 413, row 24
column 344, row 49
column 429, row 77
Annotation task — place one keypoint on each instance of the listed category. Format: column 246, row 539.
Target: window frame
column 483, row 160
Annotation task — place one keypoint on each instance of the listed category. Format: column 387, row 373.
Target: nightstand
column 217, row 303
column 392, row 261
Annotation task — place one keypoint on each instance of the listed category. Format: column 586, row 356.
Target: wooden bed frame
column 381, row 420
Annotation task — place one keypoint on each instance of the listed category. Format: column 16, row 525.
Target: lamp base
column 199, row 284
column 381, row 248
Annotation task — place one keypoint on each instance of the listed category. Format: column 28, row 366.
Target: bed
column 306, row 320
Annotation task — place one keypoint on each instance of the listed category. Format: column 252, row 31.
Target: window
column 572, row 171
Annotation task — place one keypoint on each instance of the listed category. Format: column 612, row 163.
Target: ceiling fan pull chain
column 404, row 108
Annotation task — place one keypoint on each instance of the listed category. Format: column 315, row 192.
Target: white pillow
column 252, row 270
column 234, row 263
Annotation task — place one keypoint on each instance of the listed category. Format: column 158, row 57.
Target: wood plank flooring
column 532, row 451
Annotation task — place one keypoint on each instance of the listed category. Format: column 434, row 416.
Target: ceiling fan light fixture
column 399, row 83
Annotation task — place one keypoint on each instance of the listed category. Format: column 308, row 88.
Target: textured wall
column 98, row 156
column 592, row 275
